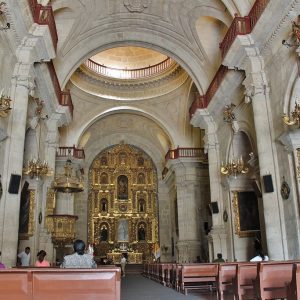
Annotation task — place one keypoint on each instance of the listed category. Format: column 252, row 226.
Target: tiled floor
column 137, row 287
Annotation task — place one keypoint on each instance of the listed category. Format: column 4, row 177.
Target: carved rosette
column 136, row 5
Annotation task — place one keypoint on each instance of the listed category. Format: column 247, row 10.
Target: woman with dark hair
column 42, row 262
column 79, row 259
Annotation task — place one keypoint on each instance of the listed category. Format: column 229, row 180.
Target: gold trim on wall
column 298, row 167
column 31, row 227
column 237, row 221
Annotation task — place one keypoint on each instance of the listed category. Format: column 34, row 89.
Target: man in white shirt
column 24, row 257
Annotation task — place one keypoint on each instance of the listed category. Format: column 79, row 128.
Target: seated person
column 79, row 259
column 219, row 258
column 42, row 262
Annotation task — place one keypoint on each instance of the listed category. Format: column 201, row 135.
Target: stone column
column 165, row 224
column 257, row 89
column 13, row 162
column 203, row 119
column 189, row 200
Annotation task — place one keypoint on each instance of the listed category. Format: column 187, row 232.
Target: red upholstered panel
column 15, row 285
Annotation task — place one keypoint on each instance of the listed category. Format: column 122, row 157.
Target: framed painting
column 246, row 213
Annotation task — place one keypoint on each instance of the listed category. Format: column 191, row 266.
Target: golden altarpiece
column 122, row 200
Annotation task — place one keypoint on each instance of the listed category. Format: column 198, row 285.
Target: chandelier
column 4, row 104
column 294, row 117
column 36, row 168
column 67, row 183
column 234, row 167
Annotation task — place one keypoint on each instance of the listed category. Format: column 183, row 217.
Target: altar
column 132, row 257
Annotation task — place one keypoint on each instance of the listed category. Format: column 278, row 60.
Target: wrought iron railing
column 129, row 73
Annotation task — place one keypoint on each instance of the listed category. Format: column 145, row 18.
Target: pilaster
column 22, row 85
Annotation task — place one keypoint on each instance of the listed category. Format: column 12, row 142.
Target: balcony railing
column 203, row 101
column 64, row 97
column 186, row 152
column 70, row 151
column 43, row 15
column 129, row 73
column 243, row 25
column 256, row 11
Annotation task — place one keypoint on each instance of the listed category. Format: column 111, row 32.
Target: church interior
column 166, row 130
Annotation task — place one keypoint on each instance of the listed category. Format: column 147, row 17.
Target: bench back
column 67, row 284
column 199, row 270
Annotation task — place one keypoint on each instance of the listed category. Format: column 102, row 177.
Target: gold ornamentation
column 294, row 117
column 37, row 168
column 237, row 220
column 50, row 207
column 63, row 229
column 4, row 103
column 67, row 183
column 118, row 162
column 234, row 166
column 298, row 167
column 31, row 226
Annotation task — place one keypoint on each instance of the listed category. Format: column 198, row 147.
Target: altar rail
column 53, row 283
column 70, row 151
column 186, row 152
column 43, row 15
column 129, row 73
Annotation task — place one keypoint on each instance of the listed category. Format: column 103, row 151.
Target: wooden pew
column 293, row 289
column 15, row 284
column 226, row 275
column 67, row 284
column 243, row 282
column 198, row 276
column 272, row 279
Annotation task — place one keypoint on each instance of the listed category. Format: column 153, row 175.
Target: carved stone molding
column 136, row 5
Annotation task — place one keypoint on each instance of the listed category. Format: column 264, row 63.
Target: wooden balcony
column 64, row 97
column 70, row 152
column 243, row 25
column 43, row 15
column 187, row 153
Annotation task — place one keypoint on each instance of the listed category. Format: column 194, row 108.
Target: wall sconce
column 294, row 116
column 4, row 103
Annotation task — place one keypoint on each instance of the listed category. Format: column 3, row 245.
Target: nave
column 137, row 287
